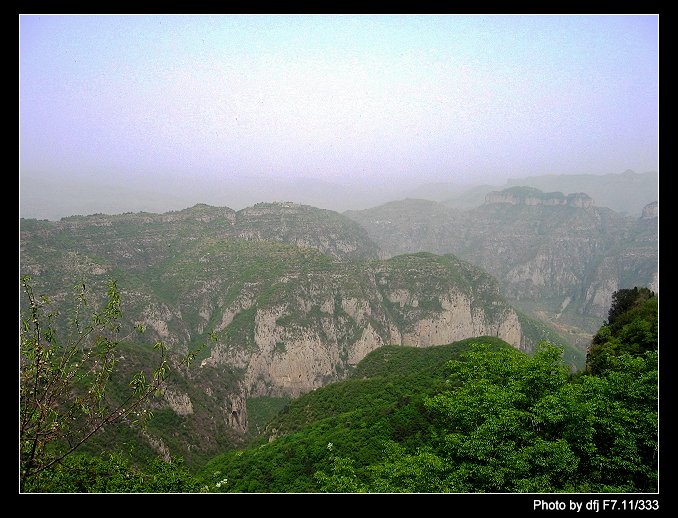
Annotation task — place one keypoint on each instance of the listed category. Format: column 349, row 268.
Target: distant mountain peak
column 524, row 195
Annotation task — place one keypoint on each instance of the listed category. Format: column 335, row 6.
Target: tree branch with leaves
column 63, row 381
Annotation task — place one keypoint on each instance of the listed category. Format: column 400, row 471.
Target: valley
column 283, row 299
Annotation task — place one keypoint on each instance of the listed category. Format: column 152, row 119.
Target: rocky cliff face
column 284, row 318
column 294, row 359
column 633, row 264
column 306, row 227
column 556, row 257
column 651, row 210
column 329, row 320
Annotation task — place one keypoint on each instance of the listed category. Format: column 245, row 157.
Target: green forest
column 473, row 416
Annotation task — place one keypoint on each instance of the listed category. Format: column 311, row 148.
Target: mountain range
column 42, row 197
column 289, row 298
column 557, row 257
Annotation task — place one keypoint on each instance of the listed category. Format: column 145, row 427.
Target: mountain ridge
column 42, row 197
column 558, row 261
column 283, row 310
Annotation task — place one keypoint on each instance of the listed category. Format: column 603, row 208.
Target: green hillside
column 471, row 416
column 381, row 401
column 284, row 299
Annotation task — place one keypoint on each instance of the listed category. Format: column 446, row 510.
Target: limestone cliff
column 651, row 210
column 533, row 197
column 306, row 227
column 327, row 323
column 287, row 298
column 634, row 264
column 557, row 257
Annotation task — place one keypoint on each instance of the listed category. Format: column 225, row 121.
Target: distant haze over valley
column 43, row 197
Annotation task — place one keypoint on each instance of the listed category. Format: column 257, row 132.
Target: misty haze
column 339, row 253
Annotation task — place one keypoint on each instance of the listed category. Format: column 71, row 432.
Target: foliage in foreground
column 503, row 421
column 632, row 327
column 65, row 380
column 113, row 473
column 474, row 416
column 513, row 423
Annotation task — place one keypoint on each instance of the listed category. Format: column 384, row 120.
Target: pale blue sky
column 190, row 99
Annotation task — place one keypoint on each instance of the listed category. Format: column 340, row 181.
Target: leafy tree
column 402, row 472
column 625, row 299
column 342, row 478
column 616, row 436
column 489, row 425
column 63, row 379
column 632, row 327
column 510, row 422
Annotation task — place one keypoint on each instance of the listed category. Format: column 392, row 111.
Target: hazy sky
column 186, row 99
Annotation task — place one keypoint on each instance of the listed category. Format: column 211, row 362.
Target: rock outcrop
column 651, row 210
column 178, row 401
column 289, row 360
column 305, row 227
column 544, row 249
column 327, row 323
column 534, row 197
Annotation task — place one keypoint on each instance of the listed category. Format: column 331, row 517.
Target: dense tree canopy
column 114, row 473
column 510, row 422
column 632, row 327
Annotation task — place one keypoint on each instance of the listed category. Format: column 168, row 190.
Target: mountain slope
column 558, row 261
column 381, row 401
column 281, row 318
column 472, row 416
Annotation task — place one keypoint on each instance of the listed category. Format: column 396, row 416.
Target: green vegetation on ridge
column 491, row 420
column 472, row 416
column 402, row 421
column 381, row 401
